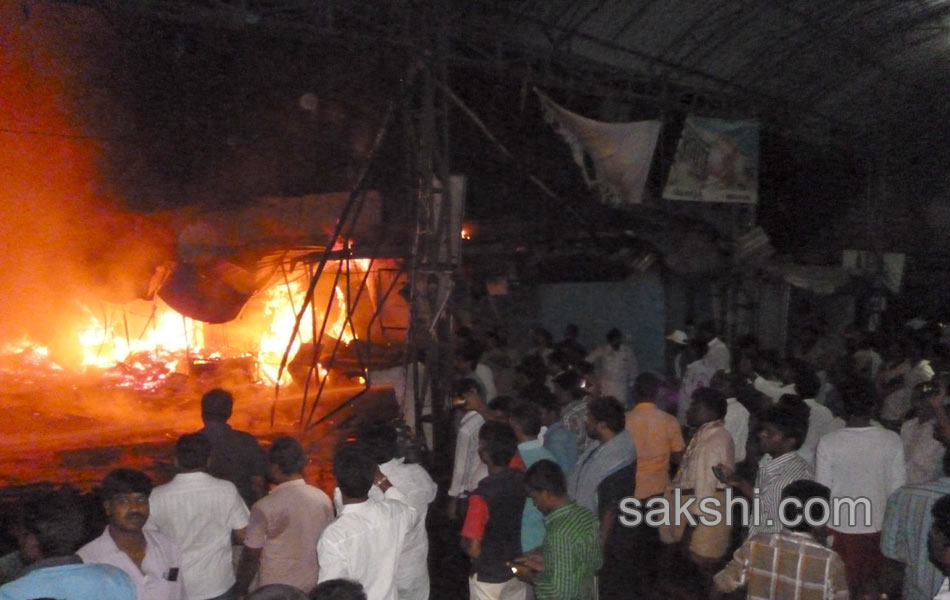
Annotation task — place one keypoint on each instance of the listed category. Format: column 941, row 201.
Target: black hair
column 537, row 394
column 354, row 470
column 499, row 442
column 58, row 522
column 698, row 347
column 288, row 455
column 807, row 384
column 570, row 381
column 527, row 415
column 607, row 410
column 711, row 399
column 857, row 395
column 338, row 589
column 124, row 481
column 192, row 451
column 787, row 417
column 381, row 440
column 216, row 405
column 614, row 334
column 501, row 404
column 470, row 352
column 467, row 384
column 533, row 367
column 571, row 329
column 646, row 385
column 546, row 476
column 804, row 490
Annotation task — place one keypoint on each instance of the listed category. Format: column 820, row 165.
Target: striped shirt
column 572, row 555
column 772, row 477
column 468, row 469
column 785, row 565
column 907, row 521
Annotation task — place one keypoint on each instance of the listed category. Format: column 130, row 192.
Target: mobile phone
column 719, row 473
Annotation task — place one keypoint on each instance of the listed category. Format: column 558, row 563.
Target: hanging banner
column 716, row 161
column 620, row 152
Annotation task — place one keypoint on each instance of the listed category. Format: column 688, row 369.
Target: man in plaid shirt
column 793, row 563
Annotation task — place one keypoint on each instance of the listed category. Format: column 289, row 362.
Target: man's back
column 199, row 512
column 785, row 565
column 418, row 490
column 237, row 457
column 860, row 462
column 656, row 435
column 74, row 581
column 820, row 422
column 365, row 543
column 286, row 525
column 907, row 522
column 572, row 555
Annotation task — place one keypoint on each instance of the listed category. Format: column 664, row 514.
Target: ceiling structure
column 850, row 70
column 872, row 73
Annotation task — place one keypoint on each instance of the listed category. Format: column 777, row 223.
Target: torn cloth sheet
column 621, row 152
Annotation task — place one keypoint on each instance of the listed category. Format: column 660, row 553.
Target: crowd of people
column 575, row 476
column 838, row 447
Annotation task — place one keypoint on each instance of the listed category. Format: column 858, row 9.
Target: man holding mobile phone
column 571, row 555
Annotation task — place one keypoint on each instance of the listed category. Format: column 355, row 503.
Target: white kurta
column 365, row 544
column 860, row 462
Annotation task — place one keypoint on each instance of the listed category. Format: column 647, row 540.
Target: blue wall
column 636, row 307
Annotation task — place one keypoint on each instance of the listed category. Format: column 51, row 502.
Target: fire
column 106, row 344
column 141, row 343
column 282, row 305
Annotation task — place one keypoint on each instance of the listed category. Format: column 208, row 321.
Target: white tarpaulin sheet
column 621, row 152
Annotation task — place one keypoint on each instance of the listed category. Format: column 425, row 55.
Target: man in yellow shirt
column 659, row 441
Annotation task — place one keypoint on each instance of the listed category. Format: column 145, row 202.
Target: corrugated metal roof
column 841, row 66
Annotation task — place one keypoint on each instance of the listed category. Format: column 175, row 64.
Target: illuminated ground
column 73, row 429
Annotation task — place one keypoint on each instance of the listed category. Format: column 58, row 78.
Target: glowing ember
column 140, row 344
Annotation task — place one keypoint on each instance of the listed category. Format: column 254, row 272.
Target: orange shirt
column 656, row 435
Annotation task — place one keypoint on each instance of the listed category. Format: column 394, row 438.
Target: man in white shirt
column 717, row 355
column 698, row 375
column 865, row 462
column 737, row 415
column 616, row 367
column 412, row 485
column 468, row 468
column 820, row 419
column 369, row 536
column 202, row 514
column 152, row 560
column 467, row 364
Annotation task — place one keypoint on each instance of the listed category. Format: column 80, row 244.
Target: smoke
column 64, row 240
column 115, row 125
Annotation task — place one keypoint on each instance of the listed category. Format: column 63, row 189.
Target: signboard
column 716, row 161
